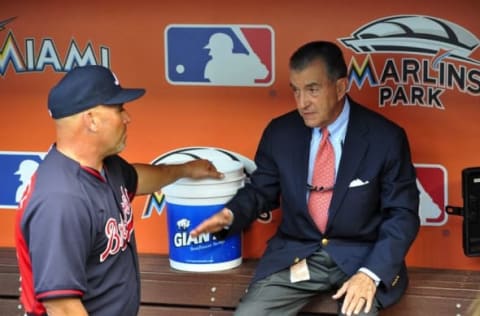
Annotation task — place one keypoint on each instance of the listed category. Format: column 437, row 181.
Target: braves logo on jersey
column 219, row 55
column 119, row 233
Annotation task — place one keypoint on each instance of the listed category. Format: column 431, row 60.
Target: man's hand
column 153, row 178
column 214, row 224
column 359, row 292
column 201, row 168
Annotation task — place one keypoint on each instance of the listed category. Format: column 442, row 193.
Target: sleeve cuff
column 372, row 275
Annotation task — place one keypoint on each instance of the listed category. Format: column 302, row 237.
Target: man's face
column 112, row 124
column 319, row 99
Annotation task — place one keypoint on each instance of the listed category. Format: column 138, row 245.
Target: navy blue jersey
column 75, row 236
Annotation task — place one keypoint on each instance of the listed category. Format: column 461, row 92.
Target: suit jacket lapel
column 354, row 148
column 301, row 160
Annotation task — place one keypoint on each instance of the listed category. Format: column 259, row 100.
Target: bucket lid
column 232, row 171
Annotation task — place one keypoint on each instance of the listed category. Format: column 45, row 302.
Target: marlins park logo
column 414, row 60
column 34, row 55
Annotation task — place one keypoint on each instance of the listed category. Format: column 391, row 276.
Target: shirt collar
column 338, row 128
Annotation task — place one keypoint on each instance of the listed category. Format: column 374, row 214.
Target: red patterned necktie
column 323, row 177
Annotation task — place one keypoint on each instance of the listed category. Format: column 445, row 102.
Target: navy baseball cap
column 85, row 87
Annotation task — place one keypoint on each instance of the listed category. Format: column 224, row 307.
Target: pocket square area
column 357, row 182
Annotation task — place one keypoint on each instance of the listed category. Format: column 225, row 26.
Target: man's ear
column 90, row 121
column 342, row 85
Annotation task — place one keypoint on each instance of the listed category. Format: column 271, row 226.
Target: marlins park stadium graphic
column 414, row 60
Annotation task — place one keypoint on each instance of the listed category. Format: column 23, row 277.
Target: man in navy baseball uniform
column 74, row 234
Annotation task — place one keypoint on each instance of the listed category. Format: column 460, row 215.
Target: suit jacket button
column 296, row 260
column 324, row 241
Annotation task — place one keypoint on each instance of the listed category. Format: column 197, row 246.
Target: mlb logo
column 432, row 184
column 219, row 55
column 16, row 168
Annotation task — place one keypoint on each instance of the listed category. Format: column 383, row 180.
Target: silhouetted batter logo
column 220, row 55
column 16, row 169
column 432, row 184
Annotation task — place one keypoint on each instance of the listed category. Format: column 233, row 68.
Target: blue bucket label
column 203, row 249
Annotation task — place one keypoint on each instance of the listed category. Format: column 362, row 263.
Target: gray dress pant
column 277, row 296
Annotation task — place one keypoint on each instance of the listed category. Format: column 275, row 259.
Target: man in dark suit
column 372, row 215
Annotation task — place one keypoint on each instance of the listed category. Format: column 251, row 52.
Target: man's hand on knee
column 359, row 292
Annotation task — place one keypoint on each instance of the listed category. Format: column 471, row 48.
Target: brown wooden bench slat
column 428, row 305
column 10, row 307
column 146, row 310
column 7, row 257
column 9, row 284
column 166, row 291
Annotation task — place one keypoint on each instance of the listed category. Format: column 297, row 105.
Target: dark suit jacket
column 370, row 226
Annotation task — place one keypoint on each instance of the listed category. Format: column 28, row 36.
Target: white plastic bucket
column 189, row 202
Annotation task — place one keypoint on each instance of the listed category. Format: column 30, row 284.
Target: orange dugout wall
column 416, row 62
